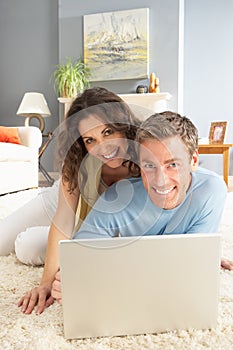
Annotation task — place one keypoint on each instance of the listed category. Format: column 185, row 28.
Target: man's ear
column 194, row 161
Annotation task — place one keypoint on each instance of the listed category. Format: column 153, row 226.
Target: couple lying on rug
column 182, row 198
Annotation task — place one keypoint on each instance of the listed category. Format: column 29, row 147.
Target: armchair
column 19, row 162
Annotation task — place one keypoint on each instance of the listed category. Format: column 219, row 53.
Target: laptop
column 137, row 285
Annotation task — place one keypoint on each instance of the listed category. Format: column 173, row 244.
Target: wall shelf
column 142, row 105
column 66, row 101
column 155, row 102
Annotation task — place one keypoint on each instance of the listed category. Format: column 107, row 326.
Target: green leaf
column 71, row 78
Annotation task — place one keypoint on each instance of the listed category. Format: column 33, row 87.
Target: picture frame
column 217, row 132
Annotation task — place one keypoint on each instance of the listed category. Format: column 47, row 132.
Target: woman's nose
column 102, row 147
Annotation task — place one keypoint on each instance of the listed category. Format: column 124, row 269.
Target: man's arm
column 207, row 204
column 211, row 215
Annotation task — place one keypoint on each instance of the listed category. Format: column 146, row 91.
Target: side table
column 218, row 148
column 49, row 137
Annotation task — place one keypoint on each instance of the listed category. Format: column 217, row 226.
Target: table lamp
column 34, row 105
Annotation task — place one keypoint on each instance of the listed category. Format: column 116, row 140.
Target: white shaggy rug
column 45, row 332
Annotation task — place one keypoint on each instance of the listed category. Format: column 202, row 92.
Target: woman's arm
column 61, row 228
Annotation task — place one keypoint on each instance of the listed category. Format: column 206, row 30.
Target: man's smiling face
column 166, row 169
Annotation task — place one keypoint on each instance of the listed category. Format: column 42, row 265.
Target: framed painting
column 217, row 132
column 116, row 44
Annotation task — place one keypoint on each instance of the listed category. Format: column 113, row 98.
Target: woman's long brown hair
column 112, row 111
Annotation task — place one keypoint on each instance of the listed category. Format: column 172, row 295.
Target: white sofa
column 19, row 162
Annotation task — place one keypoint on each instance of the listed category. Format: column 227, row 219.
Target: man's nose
column 160, row 177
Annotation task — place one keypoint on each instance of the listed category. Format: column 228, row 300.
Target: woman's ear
column 194, row 161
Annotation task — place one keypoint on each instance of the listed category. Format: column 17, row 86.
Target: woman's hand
column 56, row 288
column 227, row 264
column 39, row 296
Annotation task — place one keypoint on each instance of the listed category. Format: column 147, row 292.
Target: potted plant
column 71, row 78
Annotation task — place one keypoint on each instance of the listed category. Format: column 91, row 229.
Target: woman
column 25, row 231
column 96, row 150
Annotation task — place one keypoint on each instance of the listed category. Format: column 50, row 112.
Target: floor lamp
column 34, row 105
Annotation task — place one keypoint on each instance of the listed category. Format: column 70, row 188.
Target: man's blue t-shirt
column 125, row 209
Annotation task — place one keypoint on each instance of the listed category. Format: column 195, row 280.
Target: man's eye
column 149, row 166
column 173, row 165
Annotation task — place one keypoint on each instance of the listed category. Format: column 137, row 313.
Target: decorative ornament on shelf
column 142, row 89
column 154, row 83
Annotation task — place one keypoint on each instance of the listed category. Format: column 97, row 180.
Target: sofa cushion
column 9, row 135
column 10, row 152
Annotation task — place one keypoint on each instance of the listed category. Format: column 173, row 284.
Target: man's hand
column 56, row 288
column 227, row 264
column 40, row 296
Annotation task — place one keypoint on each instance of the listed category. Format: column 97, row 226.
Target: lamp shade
column 33, row 103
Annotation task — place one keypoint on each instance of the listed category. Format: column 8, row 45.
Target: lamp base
column 38, row 117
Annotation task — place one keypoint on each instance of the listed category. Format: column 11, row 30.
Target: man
column 173, row 196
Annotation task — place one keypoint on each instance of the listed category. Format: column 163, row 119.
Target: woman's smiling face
column 103, row 142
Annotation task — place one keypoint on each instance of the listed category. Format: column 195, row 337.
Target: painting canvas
column 116, row 44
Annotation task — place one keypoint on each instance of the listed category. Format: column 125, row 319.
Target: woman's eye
column 108, row 132
column 89, row 141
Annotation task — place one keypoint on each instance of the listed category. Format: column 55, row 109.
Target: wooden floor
column 230, row 184
column 43, row 182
